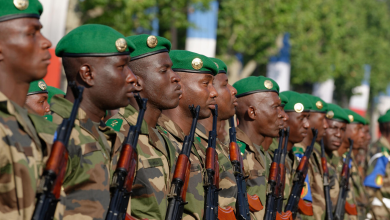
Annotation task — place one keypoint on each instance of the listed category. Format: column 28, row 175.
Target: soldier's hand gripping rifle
column 282, row 172
column 298, row 183
column 329, row 212
column 123, row 178
column 182, row 173
column 49, row 190
column 273, row 181
column 342, row 206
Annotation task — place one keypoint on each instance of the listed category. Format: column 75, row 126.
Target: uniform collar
column 171, row 127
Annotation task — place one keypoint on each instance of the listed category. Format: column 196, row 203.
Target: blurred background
column 337, row 50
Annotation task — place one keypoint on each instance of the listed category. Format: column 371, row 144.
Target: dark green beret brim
column 38, row 92
column 149, row 54
column 193, row 71
column 308, row 110
column 94, row 54
column 256, row 91
column 16, row 16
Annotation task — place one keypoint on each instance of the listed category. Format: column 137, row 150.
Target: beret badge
column 197, row 63
column 121, row 44
column 42, row 85
column 268, row 84
column 21, row 4
column 350, row 118
column 298, row 107
column 319, row 104
column 330, row 114
column 216, row 65
column 152, row 41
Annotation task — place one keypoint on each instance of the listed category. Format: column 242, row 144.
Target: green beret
column 52, row 92
column 38, row 86
column 335, row 112
column 283, row 98
column 255, row 84
column 384, row 118
column 355, row 117
column 186, row 61
column 318, row 105
column 13, row 9
column 147, row 45
column 94, row 40
column 222, row 68
column 296, row 102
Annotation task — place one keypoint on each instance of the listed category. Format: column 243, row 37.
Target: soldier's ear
column 251, row 112
column 86, row 74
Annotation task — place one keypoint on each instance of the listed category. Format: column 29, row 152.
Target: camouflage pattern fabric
column 23, row 153
column 156, row 158
column 359, row 191
column 93, row 154
column 292, row 163
column 195, row 192
column 227, row 182
column 378, row 209
column 350, row 196
column 334, row 185
column 317, row 185
column 255, row 167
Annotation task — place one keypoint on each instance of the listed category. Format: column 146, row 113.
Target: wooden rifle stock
column 49, row 190
column 177, row 198
column 305, row 208
column 344, row 187
column 242, row 205
column 123, row 177
column 351, row 209
column 285, row 216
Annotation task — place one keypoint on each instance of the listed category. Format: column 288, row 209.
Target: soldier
column 37, row 98
column 377, row 180
column 259, row 116
column 196, row 72
column 151, row 64
column 23, row 148
column 362, row 157
column 227, row 103
column 315, row 173
column 337, row 121
column 96, row 57
column 298, row 111
column 355, row 131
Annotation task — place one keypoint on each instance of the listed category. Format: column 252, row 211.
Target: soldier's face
column 38, row 103
column 24, row 51
column 268, row 113
column 160, row 84
column 113, row 82
column 284, row 116
column 334, row 135
column 367, row 137
column 226, row 99
column 198, row 89
column 299, row 126
column 319, row 122
column 356, row 133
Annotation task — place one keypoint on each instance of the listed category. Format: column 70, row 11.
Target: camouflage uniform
column 350, row 196
column 359, row 191
column 195, row 192
column 255, row 167
column 379, row 196
column 156, row 158
column 92, row 160
column 227, row 183
column 25, row 143
column 334, row 184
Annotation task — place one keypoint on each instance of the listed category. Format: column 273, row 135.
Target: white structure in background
column 359, row 101
column 324, row 90
column 202, row 38
column 279, row 68
column 53, row 19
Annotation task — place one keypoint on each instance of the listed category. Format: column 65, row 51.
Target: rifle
column 273, row 181
column 342, row 206
column 212, row 168
column 123, row 178
column 298, row 182
column 329, row 212
column 282, row 172
column 182, row 173
column 48, row 193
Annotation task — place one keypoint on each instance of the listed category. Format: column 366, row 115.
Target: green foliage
column 329, row 38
